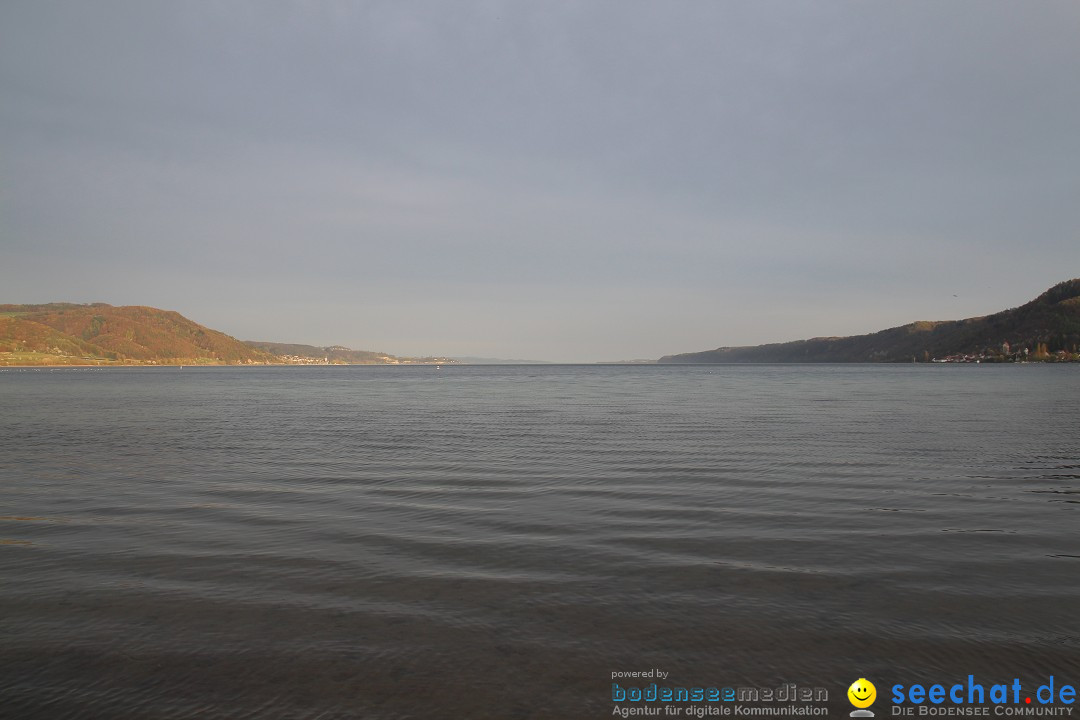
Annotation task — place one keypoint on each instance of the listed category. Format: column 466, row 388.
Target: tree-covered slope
column 60, row 333
column 1048, row 324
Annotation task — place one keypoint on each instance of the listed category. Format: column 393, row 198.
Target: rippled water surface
column 494, row 542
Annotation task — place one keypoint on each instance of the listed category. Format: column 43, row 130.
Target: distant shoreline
column 549, row 364
column 54, row 366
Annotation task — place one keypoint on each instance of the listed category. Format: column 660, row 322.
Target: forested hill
column 69, row 334
column 1046, row 329
column 100, row 334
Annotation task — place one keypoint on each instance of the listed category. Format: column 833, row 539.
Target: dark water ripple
column 492, row 542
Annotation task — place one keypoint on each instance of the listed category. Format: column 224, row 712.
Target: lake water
column 495, row 542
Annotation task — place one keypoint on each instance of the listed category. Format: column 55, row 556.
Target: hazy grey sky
column 551, row 180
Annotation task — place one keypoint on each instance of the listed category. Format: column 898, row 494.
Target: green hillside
column 1047, row 328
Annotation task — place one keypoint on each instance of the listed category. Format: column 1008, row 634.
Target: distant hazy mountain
column 496, row 361
column 338, row 354
column 333, row 353
column 1048, row 328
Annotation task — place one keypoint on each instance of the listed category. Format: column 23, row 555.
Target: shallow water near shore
column 497, row 541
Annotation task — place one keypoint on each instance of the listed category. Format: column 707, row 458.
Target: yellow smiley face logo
column 862, row 693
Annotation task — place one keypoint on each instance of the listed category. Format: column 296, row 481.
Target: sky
column 592, row 180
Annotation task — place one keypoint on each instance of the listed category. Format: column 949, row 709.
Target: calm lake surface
column 495, row 542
